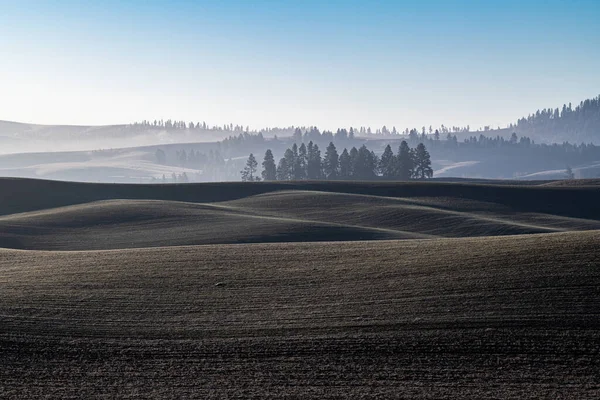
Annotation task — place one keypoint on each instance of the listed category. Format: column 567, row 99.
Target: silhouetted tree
column 269, row 172
column 387, row 165
column 314, row 168
column 161, row 157
column 353, row 162
column 300, row 163
column 569, row 173
column 365, row 165
column 249, row 172
column 345, row 165
column 331, row 162
column 404, row 162
column 297, row 135
column 422, row 163
column 283, row 170
column 285, row 166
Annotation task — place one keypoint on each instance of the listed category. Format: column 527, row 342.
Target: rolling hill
column 42, row 215
column 300, row 290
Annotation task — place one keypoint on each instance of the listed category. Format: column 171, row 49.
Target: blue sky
column 280, row 63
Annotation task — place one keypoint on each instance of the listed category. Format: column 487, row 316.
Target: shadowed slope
column 505, row 317
column 436, row 216
column 22, row 195
column 276, row 216
column 117, row 224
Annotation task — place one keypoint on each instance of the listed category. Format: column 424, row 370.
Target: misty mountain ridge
column 166, row 151
column 579, row 124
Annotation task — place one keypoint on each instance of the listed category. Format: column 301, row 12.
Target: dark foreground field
column 506, row 317
column 496, row 294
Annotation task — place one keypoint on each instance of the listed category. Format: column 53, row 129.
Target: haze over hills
column 82, row 153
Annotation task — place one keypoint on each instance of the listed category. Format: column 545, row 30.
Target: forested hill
column 573, row 124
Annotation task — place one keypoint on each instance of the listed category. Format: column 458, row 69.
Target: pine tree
column 290, row 160
column 300, row 163
column 404, row 162
column 286, row 164
column 345, row 165
column 353, row 162
column 387, row 165
column 365, row 165
column 374, row 161
column 314, row 167
column 269, row 172
column 569, row 173
column 161, row 157
column 422, row 163
column 297, row 135
column 283, row 170
column 249, row 172
column 331, row 162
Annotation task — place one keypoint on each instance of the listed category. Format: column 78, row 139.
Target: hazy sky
column 280, row 63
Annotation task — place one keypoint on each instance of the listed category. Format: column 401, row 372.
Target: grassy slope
column 504, row 317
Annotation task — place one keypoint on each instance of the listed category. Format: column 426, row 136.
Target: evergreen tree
column 569, row 173
column 345, row 165
column 283, row 170
column 331, row 162
column 249, row 172
column 300, row 163
column 404, row 162
column 269, row 172
column 374, row 161
column 413, row 135
column 353, row 162
column 387, row 165
column 161, row 157
column 290, row 161
column 297, row 135
column 314, row 167
column 365, row 164
column 294, row 161
column 422, row 163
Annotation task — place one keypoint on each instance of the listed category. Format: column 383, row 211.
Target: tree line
column 577, row 123
column 305, row 162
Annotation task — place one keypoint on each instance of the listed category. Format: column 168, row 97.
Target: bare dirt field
column 456, row 315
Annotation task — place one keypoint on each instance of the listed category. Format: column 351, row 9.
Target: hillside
column 505, row 317
column 306, row 290
column 18, row 137
column 45, row 215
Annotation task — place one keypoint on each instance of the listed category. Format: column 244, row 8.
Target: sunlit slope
column 435, row 216
column 21, row 195
column 278, row 216
column 116, row 224
column 502, row 317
